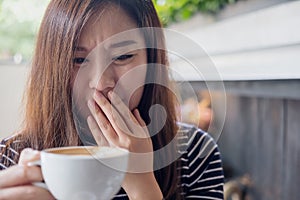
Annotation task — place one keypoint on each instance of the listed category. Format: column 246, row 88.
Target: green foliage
column 178, row 10
column 19, row 21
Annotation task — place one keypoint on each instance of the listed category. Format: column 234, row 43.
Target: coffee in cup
column 85, row 172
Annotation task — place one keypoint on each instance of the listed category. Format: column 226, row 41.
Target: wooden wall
column 261, row 136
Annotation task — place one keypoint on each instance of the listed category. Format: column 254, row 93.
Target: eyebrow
column 123, row 43
column 115, row 45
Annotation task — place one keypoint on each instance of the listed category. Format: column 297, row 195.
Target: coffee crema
column 88, row 151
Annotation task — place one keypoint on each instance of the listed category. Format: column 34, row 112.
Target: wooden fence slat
column 291, row 173
column 252, row 143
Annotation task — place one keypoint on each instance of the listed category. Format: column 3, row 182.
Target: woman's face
column 107, row 58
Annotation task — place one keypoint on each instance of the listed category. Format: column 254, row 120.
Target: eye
column 80, row 60
column 123, row 59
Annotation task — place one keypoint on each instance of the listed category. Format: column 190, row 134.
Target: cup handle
column 38, row 184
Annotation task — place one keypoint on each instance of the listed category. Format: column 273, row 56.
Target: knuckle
column 114, row 117
column 24, row 174
column 104, row 125
column 127, row 142
column 97, row 109
column 117, row 101
column 24, row 155
column 103, row 101
column 27, row 174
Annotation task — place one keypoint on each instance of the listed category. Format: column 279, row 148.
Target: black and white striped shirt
column 201, row 172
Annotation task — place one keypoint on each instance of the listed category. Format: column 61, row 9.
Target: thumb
column 28, row 155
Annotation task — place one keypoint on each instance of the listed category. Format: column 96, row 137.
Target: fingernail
column 110, row 94
column 90, row 104
column 88, row 119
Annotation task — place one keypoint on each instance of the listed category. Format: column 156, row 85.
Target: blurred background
column 252, row 109
column 19, row 22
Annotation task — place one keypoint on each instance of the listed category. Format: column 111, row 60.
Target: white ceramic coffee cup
column 83, row 172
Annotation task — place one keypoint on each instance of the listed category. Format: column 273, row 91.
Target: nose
column 103, row 81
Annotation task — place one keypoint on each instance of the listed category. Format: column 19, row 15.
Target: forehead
column 109, row 25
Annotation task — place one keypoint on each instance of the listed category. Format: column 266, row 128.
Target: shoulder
column 193, row 139
column 201, row 165
column 197, row 147
column 9, row 154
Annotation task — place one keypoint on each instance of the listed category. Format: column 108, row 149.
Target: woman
column 74, row 37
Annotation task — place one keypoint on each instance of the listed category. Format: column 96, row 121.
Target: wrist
column 142, row 186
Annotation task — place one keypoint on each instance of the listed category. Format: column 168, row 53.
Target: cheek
column 80, row 94
column 73, row 76
column 133, row 85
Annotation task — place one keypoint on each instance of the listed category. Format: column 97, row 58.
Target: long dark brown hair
column 48, row 112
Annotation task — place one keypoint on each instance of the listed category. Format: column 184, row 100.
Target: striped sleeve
column 201, row 172
column 8, row 155
column 204, row 178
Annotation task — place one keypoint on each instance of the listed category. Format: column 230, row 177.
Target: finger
column 122, row 109
column 20, row 175
column 25, row 192
column 103, row 123
column 28, row 155
column 98, row 136
column 139, row 118
column 112, row 115
column 142, row 123
column 126, row 114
